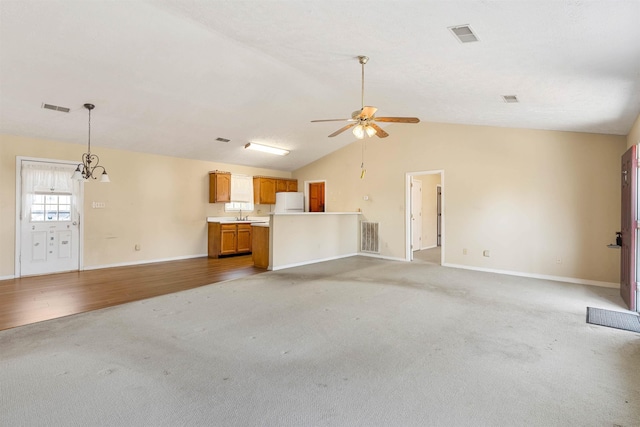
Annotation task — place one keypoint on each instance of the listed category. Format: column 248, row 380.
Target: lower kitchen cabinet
column 228, row 239
column 260, row 246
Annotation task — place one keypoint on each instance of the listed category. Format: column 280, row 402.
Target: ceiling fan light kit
column 363, row 119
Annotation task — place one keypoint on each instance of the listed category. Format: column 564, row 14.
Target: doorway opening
column 48, row 212
column 314, row 196
column 424, row 220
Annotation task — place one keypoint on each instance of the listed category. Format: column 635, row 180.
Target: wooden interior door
column 316, row 197
column 628, row 286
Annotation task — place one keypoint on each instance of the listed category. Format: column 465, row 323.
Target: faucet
column 240, row 218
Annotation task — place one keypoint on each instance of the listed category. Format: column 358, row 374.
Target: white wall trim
column 428, row 247
column 7, row 277
column 142, row 262
column 382, row 257
column 314, row 261
column 538, row 276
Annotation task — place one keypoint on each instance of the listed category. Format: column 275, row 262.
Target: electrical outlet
column 558, row 260
column 464, row 251
column 137, row 247
column 486, row 253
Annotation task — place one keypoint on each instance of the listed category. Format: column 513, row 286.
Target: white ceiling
column 170, row 76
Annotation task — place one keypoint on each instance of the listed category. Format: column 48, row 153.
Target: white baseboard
column 381, row 256
column 537, row 276
column 428, row 247
column 7, row 277
column 314, row 261
column 150, row 261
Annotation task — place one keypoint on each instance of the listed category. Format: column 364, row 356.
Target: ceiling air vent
column 464, row 34
column 56, row 108
column 222, row 140
column 510, row 99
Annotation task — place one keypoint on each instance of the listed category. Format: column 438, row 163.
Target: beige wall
column 634, row 134
column 531, row 197
column 156, row 201
column 298, row 239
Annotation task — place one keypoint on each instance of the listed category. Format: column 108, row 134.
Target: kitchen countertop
column 232, row 220
column 315, row 213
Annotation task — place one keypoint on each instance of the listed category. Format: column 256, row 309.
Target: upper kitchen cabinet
column 264, row 190
column 286, row 185
column 220, row 187
column 292, row 185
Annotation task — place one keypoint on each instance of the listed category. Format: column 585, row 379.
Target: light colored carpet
column 353, row 342
column 431, row 255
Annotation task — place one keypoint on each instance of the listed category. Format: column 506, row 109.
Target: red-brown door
column 316, row 197
column 628, row 227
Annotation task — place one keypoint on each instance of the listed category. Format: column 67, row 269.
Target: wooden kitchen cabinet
column 228, row 239
column 264, row 190
column 281, row 185
column 260, row 245
column 219, row 187
column 292, row 185
column 286, row 185
column 243, row 238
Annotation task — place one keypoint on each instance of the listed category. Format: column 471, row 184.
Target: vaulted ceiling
column 171, row 76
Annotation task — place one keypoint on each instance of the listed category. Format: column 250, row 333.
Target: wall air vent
column 222, row 140
column 464, row 34
column 56, row 108
column 369, row 237
column 510, row 99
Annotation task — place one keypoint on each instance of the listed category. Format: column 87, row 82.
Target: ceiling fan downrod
column 363, row 60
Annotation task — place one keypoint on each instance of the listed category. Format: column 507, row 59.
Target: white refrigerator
column 289, row 202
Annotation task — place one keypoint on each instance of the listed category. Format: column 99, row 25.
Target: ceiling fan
column 363, row 120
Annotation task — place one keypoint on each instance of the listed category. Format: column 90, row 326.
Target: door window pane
column 51, row 207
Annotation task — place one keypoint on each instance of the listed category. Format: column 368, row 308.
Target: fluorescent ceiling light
column 266, row 149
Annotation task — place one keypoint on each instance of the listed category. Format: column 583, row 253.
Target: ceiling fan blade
column 379, row 131
column 398, row 119
column 339, row 131
column 367, row 112
column 334, row 120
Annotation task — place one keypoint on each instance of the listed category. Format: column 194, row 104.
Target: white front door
column 416, row 214
column 49, row 218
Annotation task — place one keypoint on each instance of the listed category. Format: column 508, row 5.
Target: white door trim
column 306, row 193
column 18, row 229
column 407, row 210
column 416, row 244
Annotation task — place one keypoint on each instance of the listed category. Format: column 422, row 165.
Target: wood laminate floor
column 34, row 299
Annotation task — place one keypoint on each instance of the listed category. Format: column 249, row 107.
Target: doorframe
column 439, row 213
column 306, row 193
column 407, row 211
column 18, row 216
column 413, row 222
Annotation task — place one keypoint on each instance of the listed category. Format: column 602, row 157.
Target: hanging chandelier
column 86, row 169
